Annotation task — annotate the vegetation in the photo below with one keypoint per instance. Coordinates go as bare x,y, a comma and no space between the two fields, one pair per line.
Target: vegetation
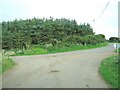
109,70
73,47
34,50
117,50
0,67
7,63
114,40
23,34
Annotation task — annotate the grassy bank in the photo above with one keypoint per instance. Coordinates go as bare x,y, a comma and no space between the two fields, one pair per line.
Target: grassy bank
109,71
74,47
36,50
7,63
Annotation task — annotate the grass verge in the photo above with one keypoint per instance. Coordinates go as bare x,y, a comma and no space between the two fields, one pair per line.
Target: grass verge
109,71
7,63
74,48
36,50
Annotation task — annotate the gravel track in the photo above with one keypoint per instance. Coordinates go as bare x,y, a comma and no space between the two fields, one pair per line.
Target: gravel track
76,69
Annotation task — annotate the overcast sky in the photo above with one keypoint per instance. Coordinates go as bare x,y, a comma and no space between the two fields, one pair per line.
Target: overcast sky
83,11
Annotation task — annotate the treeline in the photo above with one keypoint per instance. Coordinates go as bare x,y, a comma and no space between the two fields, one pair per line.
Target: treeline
24,33
114,39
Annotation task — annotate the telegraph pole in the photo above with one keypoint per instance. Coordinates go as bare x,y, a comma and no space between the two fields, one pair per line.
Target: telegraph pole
94,25
94,20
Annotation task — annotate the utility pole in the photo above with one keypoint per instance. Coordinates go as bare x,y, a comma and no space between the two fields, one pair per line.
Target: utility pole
94,25
94,20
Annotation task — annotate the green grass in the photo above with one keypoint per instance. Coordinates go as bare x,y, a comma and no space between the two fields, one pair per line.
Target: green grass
7,63
74,48
33,51
0,68
118,50
109,71
36,49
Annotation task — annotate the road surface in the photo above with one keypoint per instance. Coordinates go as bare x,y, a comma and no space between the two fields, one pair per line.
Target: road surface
76,69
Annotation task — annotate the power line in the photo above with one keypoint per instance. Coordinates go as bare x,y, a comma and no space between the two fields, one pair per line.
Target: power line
94,20
104,9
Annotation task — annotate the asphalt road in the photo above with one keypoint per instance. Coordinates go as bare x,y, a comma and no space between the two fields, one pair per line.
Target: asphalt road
76,69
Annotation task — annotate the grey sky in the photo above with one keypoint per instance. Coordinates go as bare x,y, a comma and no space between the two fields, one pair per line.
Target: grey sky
80,10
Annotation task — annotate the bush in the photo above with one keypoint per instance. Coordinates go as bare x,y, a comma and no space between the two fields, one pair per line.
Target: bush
24,33
93,39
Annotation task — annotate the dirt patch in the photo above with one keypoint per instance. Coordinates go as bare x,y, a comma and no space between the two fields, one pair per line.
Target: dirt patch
54,71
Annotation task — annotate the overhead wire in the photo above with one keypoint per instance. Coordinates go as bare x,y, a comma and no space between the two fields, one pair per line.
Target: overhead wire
103,10
94,20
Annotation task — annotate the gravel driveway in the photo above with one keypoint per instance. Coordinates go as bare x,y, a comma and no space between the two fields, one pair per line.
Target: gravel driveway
76,69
